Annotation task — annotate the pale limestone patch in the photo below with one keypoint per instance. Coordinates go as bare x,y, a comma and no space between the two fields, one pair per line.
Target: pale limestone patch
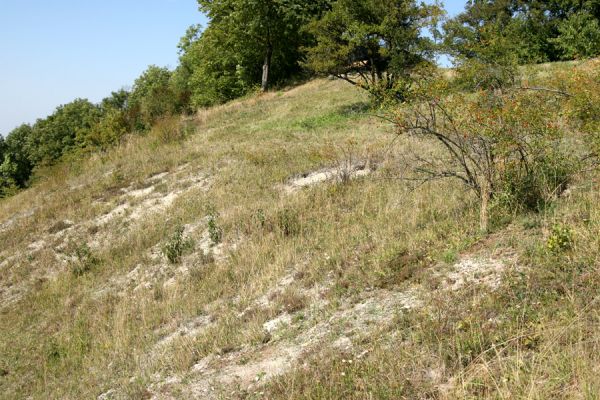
474,271
340,173
252,366
277,322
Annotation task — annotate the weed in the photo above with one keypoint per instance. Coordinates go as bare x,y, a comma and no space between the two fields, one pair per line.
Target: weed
531,222
288,222
83,260
215,232
174,249
450,256
158,292
260,218
561,239
402,265
291,300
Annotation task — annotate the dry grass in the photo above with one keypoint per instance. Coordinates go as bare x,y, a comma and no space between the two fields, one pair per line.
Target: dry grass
66,335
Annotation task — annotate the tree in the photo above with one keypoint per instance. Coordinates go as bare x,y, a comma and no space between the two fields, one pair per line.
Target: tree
247,43
16,165
374,44
152,97
531,27
62,132
214,70
118,100
2,148
579,36
267,29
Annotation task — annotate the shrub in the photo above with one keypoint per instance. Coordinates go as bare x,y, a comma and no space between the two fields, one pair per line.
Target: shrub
215,232
16,165
174,249
561,239
288,222
583,106
170,129
476,75
500,144
111,128
83,260
63,131
152,97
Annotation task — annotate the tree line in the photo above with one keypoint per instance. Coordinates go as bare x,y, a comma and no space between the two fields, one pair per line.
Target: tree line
254,45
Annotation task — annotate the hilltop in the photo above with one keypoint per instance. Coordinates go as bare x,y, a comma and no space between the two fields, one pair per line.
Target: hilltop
274,250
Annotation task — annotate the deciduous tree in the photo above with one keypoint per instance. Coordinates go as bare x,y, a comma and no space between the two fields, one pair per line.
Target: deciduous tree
374,44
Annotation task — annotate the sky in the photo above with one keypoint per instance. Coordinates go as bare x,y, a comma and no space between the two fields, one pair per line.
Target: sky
52,52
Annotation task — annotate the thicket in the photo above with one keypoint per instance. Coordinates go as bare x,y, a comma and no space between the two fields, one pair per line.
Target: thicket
516,147
533,31
379,45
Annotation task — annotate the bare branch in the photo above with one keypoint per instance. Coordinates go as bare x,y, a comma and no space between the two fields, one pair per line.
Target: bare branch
543,89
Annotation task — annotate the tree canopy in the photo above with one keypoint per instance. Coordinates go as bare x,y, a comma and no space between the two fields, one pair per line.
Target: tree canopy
247,44
534,31
374,44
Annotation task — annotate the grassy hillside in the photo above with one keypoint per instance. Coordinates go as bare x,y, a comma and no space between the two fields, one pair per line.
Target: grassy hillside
304,267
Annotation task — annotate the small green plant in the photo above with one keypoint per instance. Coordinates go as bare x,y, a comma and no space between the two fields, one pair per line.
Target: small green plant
561,239
176,246
83,260
288,222
450,256
215,232
260,217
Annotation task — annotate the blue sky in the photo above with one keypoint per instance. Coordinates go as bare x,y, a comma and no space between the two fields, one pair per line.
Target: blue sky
54,51
454,6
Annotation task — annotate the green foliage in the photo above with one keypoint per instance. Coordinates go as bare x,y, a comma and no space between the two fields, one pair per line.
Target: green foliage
174,249
62,132
116,101
152,97
560,239
579,36
288,222
83,260
490,62
244,37
215,232
533,32
16,165
107,132
215,72
373,44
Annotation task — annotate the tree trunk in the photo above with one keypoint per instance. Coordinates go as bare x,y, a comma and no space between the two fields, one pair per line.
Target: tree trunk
483,213
267,68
